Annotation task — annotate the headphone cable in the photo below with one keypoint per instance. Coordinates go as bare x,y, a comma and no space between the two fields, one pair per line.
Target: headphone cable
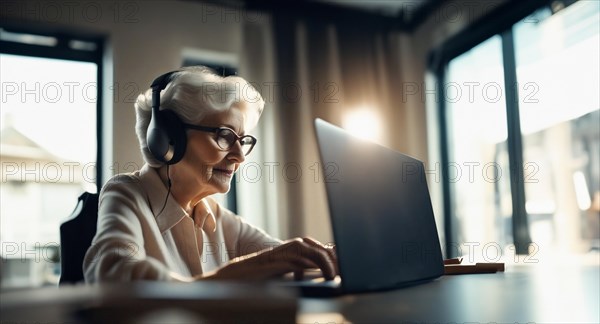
168,191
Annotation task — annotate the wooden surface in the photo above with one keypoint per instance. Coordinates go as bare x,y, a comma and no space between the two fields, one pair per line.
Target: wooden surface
521,294
550,293
157,302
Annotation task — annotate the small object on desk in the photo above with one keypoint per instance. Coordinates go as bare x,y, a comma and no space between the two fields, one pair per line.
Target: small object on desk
452,269
499,266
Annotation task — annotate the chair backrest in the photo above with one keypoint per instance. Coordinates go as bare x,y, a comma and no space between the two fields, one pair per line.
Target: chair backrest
76,236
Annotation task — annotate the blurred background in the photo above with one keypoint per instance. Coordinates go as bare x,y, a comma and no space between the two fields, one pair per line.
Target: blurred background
499,99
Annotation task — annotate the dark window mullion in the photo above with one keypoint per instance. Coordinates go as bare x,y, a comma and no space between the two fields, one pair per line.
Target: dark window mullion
99,119
53,52
520,225
232,195
449,236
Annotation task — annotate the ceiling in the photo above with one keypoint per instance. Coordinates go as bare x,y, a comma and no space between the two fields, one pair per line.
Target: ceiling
401,14
389,8
407,13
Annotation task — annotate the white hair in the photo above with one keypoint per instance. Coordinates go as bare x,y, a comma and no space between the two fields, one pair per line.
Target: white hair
194,93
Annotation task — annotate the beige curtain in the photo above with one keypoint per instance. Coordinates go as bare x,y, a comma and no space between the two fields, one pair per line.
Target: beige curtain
308,69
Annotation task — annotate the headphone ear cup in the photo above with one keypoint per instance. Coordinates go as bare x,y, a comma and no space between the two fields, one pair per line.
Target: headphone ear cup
158,140
175,131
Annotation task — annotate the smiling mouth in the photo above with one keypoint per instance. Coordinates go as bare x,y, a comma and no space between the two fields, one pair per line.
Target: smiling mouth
226,172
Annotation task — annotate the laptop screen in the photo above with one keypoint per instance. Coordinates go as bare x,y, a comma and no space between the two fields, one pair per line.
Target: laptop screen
381,214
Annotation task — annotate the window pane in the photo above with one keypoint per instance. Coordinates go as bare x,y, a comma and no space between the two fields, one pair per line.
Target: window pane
558,75
478,160
48,152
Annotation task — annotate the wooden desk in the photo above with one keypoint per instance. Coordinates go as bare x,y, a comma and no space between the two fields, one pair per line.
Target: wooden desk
522,294
157,302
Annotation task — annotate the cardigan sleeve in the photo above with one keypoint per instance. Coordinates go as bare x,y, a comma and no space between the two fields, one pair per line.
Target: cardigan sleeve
241,237
118,250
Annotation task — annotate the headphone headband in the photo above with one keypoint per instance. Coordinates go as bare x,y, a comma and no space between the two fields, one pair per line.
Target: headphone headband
158,85
161,82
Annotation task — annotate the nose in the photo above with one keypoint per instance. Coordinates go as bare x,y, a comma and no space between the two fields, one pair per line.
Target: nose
236,153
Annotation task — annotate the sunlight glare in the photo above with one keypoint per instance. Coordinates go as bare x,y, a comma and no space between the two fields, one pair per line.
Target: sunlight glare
363,123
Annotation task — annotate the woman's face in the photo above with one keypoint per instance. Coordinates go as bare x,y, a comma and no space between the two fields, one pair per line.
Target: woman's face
206,168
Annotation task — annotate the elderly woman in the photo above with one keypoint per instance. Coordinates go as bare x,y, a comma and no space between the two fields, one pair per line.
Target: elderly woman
160,223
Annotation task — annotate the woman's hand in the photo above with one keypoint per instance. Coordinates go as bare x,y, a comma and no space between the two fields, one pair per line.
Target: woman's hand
292,256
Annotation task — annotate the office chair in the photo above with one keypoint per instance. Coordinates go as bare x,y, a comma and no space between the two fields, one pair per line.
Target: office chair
76,236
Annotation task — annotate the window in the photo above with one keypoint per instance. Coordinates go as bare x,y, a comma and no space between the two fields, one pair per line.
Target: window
557,64
520,132
478,170
49,147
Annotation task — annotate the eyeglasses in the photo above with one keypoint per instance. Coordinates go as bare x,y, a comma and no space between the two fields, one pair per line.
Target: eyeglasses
226,137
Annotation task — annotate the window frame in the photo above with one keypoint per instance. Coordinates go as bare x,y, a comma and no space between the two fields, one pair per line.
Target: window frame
499,22
62,51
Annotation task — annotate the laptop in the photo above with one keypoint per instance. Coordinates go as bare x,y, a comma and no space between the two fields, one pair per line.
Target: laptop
381,217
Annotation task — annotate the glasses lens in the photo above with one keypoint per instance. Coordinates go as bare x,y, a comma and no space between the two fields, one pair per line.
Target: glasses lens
226,138
247,144
246,141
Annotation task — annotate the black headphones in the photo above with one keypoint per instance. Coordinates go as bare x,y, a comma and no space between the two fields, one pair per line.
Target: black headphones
166,135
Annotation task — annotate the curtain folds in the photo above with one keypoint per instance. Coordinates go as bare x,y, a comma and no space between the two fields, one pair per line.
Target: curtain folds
326,70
